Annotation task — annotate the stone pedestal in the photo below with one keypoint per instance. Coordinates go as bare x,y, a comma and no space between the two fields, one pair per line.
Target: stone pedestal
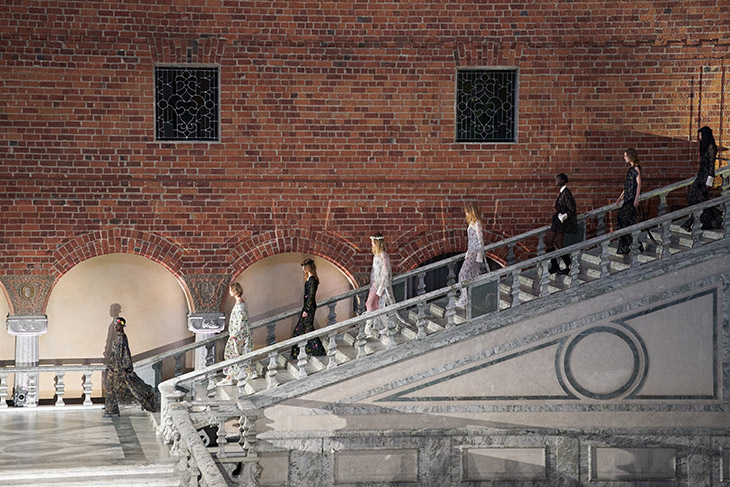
26,329
205,325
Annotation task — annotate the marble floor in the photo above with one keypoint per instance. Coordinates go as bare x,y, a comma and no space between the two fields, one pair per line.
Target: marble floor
51,438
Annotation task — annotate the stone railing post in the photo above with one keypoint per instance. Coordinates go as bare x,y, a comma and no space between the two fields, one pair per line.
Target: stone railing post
27,330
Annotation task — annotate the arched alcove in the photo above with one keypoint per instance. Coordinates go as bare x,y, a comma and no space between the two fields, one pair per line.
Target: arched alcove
85,300
276,284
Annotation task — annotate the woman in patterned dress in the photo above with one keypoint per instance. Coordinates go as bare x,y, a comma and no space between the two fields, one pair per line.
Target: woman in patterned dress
305,324
239,334
122,384
472,265
630,197
381,289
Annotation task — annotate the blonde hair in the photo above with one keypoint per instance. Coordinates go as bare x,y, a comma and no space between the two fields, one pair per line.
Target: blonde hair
472,212
378,241
236,288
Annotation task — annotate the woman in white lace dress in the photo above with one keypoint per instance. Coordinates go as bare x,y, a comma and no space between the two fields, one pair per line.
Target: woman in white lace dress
381,289
474,255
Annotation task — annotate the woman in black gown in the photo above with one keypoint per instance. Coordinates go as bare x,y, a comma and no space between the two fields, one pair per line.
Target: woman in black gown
305,324
699,190
630,197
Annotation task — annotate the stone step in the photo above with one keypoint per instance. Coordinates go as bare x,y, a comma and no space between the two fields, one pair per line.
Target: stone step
158,475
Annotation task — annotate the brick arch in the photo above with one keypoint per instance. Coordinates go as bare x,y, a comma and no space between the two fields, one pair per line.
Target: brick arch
122,241
326,245
432,244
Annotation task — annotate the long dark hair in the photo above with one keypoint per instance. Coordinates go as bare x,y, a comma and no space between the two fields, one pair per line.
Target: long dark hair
707,139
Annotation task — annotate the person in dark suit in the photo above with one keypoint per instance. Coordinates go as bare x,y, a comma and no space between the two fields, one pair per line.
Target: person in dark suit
565,220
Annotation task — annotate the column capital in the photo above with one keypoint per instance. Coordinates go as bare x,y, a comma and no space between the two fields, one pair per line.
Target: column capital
29,325
208,291
28,294
206,322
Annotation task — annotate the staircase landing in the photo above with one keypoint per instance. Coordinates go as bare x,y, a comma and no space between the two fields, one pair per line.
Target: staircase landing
67,448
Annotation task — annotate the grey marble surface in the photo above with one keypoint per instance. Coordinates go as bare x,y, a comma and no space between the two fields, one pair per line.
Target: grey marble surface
49,439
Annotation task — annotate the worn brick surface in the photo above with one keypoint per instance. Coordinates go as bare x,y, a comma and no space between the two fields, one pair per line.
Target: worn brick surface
337,121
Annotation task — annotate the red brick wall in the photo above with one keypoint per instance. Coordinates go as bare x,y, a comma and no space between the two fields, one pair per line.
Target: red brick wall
337,122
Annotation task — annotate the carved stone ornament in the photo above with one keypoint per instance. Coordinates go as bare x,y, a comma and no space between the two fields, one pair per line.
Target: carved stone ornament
27,293
206,322
27,325
208,291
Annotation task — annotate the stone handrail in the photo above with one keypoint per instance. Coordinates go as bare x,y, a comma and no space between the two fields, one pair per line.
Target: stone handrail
539,262
509,243
60,370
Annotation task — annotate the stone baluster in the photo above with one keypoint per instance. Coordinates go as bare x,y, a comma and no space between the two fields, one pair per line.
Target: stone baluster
271,372
332,315
210,387
635,247
421,320
543,277
209,354
600,223
451,309
32,391
666,239
332,350
361,298
662,210
178,363
605,261
243,378
3,391
726,220
421,289
302,359
88,388
696,228
574,268
157,370
221,437
361,340
510,253
251,469
60,388
271,333
451,277
541,243
515,288
391,330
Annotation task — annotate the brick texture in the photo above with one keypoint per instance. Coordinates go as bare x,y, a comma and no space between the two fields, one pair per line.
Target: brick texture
337,121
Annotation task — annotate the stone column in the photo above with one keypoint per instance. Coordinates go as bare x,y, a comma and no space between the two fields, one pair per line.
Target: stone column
26,329
205,325
208,292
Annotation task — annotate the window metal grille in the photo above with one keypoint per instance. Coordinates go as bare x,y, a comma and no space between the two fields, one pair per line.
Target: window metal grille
186,103
486,105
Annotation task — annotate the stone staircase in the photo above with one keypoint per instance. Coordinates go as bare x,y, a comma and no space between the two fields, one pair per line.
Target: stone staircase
433,316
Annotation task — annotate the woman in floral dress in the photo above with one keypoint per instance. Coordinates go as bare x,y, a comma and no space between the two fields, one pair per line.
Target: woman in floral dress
381,289
305,324
630,196
239,334
472,265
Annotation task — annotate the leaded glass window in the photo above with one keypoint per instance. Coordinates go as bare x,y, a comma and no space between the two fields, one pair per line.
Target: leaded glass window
186,103
486,105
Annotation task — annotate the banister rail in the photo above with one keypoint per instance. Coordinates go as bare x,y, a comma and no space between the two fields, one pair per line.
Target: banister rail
509,244
512,271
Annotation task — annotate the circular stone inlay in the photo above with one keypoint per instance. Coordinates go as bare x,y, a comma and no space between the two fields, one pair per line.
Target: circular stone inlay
601,364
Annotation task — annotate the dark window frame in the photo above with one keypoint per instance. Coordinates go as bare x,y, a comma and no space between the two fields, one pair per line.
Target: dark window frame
208,126
466,112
